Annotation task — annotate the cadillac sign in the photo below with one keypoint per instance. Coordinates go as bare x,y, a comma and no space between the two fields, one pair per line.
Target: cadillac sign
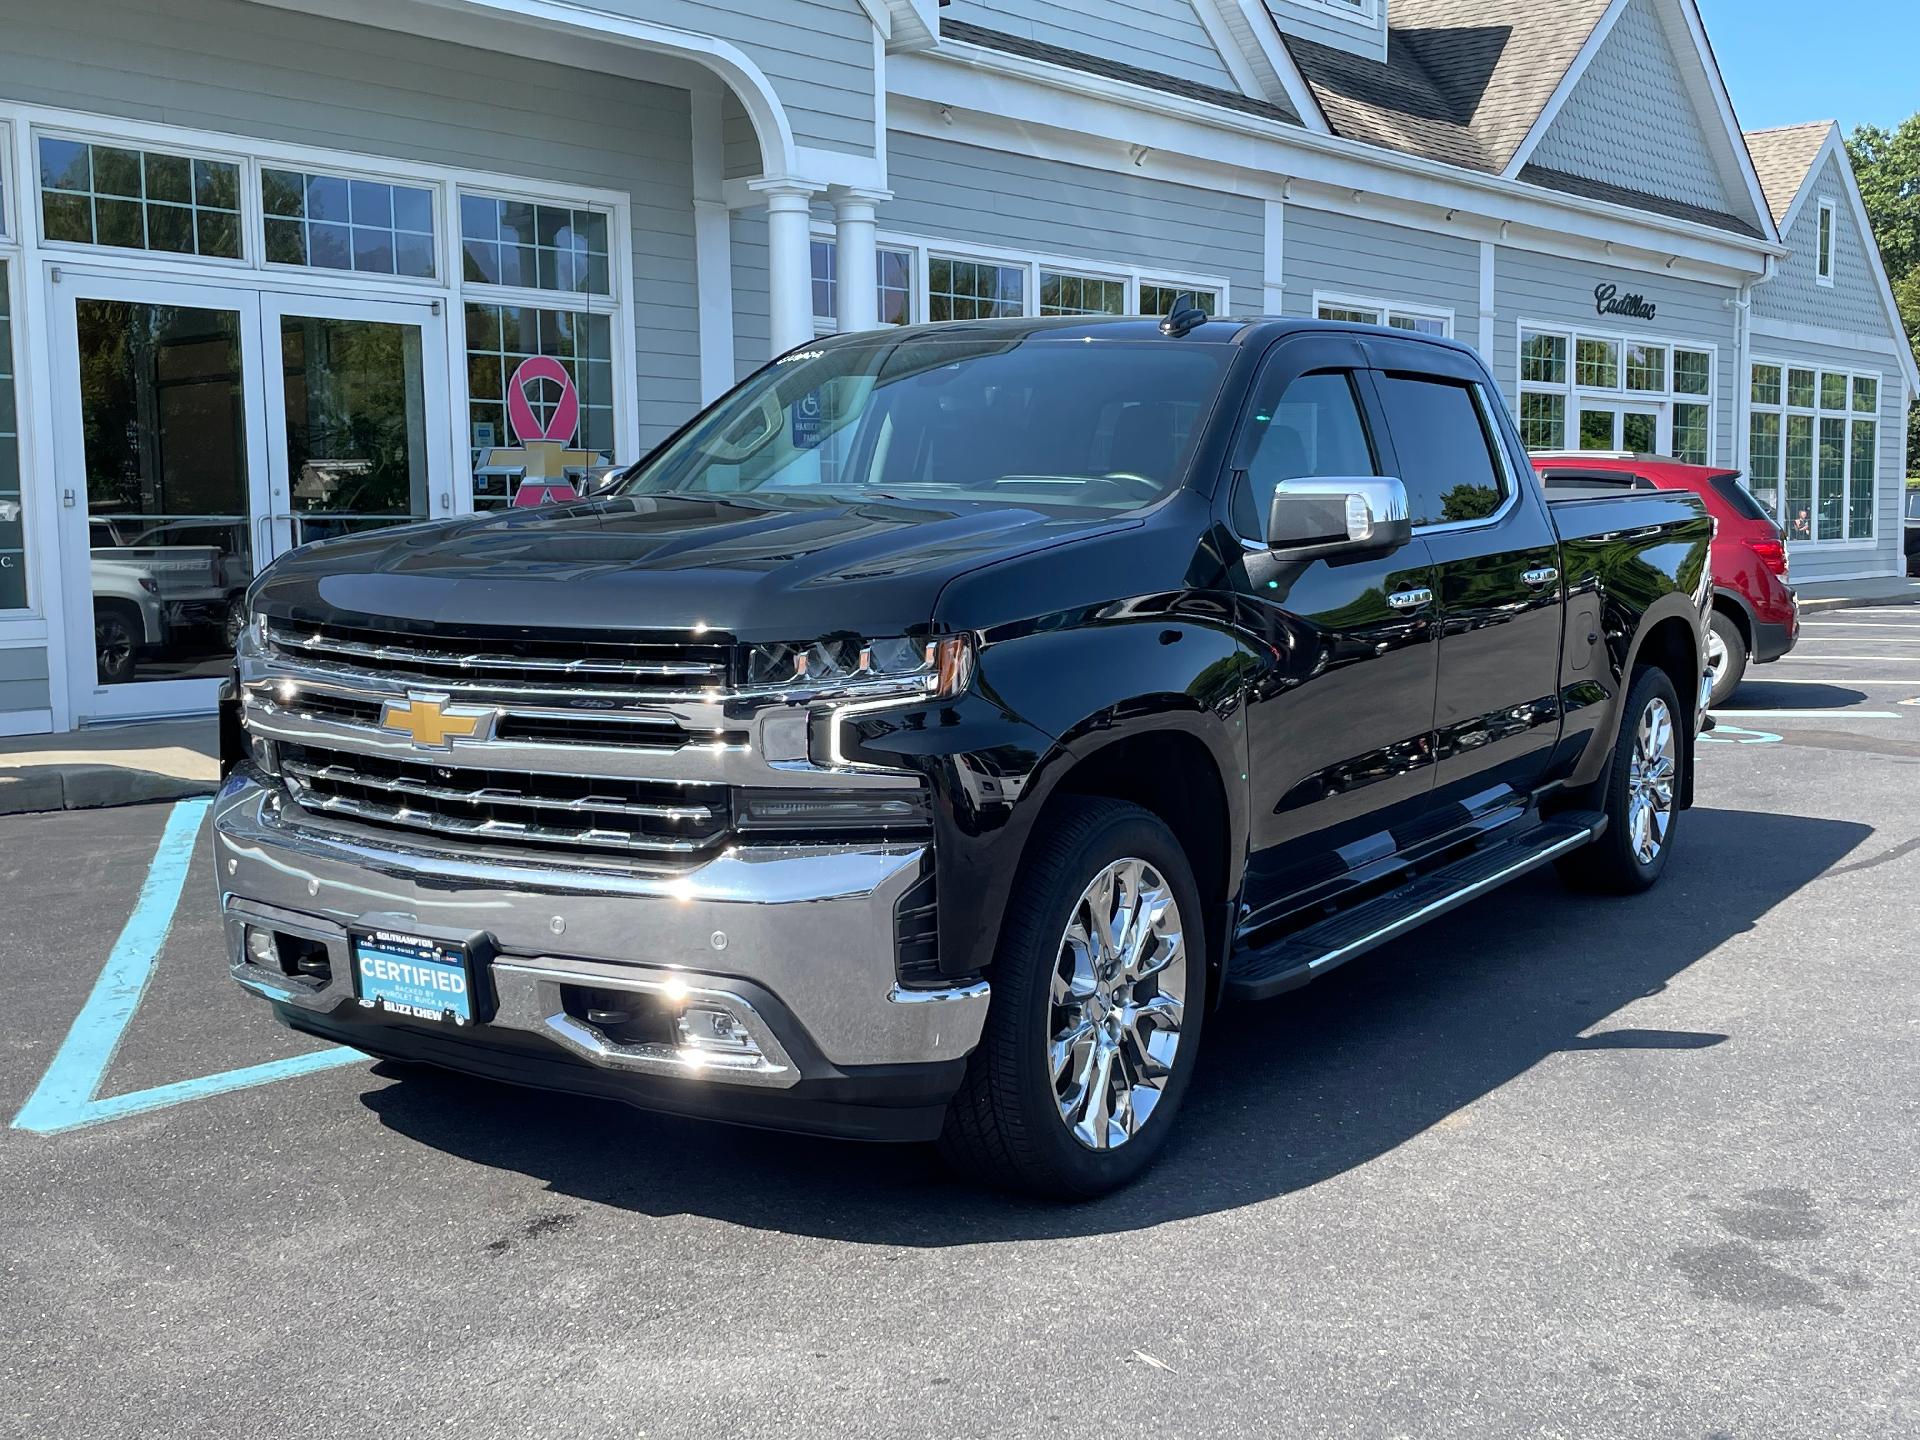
1607,300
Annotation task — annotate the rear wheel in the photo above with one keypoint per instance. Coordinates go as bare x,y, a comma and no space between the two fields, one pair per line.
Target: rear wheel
1641,796
1726,657
1099,988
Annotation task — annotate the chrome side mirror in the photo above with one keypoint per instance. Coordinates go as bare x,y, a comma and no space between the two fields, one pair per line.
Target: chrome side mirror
601,479
1324,517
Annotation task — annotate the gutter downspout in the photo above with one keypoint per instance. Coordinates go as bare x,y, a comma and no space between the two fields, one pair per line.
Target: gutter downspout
1743,377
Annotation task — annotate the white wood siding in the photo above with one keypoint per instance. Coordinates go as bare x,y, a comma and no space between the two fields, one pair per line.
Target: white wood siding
23,679
1629,121
818,54
1332,253
1853,301
1162,35
1330,25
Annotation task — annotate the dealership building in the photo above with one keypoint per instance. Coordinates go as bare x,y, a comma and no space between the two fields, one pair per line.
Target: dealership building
268,275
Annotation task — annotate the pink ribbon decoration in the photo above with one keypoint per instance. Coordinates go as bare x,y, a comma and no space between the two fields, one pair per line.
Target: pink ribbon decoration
566,415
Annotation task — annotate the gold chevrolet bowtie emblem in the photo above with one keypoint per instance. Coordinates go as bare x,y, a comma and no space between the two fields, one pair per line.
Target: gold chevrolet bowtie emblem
433,724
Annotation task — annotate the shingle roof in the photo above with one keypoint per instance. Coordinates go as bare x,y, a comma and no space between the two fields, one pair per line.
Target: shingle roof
1783,156
1463,81
1637,200
1114,70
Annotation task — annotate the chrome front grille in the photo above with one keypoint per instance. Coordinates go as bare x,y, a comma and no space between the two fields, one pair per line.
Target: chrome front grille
481,806
493,666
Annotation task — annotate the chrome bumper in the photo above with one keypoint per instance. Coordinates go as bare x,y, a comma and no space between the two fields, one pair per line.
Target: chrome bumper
804,935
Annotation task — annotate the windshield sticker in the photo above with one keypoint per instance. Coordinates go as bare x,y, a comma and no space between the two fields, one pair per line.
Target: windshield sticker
807,421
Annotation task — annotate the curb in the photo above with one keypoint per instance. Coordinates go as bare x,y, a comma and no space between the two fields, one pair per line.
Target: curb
30,789
1859,602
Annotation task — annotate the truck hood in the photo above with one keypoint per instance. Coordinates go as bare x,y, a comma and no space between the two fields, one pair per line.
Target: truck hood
759,569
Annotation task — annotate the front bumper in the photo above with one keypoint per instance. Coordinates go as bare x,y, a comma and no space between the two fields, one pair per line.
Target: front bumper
794,945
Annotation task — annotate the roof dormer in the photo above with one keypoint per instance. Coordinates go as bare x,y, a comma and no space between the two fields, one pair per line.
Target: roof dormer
1356,26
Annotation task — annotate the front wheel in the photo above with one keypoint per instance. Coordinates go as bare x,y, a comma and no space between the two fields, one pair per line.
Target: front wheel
116,641
1642,794
1099,989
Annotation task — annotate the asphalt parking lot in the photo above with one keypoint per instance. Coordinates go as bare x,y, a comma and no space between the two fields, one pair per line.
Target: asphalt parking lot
1558,1166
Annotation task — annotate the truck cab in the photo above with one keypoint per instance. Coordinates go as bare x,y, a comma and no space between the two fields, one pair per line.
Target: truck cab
929,735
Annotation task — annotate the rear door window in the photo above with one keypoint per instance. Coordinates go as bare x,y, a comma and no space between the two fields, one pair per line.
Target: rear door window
1729,488
1448,453
1314,429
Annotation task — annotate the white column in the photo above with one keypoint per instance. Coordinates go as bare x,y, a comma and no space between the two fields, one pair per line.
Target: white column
856,271
789,261
712,248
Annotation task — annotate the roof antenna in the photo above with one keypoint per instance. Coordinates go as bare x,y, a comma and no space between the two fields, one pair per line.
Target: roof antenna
1183,315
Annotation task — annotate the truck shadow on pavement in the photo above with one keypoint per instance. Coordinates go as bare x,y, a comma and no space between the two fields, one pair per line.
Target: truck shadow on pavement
1289,1093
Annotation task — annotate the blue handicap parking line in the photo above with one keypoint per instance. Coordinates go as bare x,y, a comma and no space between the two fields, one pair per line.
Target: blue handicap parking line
65,1098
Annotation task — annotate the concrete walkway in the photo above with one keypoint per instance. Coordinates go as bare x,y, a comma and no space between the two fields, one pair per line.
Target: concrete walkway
109,765
1854,594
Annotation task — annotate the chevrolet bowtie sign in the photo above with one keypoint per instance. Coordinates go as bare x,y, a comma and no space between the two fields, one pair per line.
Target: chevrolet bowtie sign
432,724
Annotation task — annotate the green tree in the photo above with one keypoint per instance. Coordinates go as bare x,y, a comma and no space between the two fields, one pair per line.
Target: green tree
1887,165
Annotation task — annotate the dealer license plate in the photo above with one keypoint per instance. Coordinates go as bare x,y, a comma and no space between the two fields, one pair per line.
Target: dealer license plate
413,976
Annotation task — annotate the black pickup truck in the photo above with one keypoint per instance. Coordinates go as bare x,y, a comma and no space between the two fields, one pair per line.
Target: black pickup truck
927,737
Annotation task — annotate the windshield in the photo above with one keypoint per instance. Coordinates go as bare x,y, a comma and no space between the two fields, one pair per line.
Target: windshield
1033,420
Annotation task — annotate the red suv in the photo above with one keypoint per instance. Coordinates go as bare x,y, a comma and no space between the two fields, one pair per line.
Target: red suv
1755,615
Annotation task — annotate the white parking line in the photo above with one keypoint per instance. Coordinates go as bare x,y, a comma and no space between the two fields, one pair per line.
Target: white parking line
1800,659
1807,715
1913,685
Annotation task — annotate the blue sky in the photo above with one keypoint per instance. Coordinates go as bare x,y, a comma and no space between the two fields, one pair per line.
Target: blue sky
1858,62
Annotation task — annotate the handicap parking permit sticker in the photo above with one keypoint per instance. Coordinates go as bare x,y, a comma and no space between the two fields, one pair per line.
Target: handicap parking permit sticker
807,421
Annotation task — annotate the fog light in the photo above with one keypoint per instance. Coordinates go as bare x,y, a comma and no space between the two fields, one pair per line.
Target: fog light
261,949
707,1027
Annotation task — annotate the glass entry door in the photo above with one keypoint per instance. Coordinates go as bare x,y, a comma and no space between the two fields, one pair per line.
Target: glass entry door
356,417
1609,425
204,431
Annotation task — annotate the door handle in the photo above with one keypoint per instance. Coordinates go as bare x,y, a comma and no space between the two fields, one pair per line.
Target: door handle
1410,599
1545,575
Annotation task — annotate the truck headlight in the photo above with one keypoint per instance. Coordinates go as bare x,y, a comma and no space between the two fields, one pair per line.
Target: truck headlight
856,668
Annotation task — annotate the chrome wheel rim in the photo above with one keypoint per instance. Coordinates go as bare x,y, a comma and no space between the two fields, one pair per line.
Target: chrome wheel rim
112,644
1716,655
1118,999
1650,782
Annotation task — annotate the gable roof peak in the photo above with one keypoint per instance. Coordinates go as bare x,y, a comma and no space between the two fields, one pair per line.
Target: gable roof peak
1784,157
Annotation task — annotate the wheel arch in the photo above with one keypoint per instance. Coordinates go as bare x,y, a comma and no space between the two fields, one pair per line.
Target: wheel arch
1174,775
1732,602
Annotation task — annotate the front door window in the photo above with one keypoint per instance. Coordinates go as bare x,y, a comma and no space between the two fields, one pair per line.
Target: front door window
169,523
356,427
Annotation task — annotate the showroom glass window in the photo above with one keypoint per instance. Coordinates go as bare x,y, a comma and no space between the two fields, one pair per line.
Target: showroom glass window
13,528
336,222
1813,447
13,520
128,199
537,286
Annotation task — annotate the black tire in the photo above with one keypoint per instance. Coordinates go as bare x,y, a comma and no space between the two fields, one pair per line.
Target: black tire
1613,864
1005,1124
1726,630
116,640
